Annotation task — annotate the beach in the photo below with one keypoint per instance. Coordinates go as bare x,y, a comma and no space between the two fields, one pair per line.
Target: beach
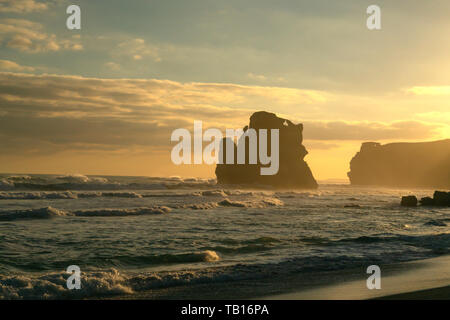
423,279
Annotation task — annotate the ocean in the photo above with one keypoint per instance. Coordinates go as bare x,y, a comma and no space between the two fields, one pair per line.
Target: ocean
130,235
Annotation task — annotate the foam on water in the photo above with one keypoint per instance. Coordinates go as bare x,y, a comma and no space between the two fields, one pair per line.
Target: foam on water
131,234
121,212
49,212
41,213
113,282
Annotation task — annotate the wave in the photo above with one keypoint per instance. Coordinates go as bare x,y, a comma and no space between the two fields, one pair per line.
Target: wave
82,182
250,248
191,257
64,195
226,193
6,185
111,282
54,286
122,212
257,203
212,193
436,223
101,283
42,213
199,206
37,195
436,243
121,194
79,178
297,194
49,212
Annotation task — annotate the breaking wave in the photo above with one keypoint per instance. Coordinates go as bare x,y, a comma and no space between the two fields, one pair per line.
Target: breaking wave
82,182
64,195
103,283
121,212
257,203
42,213
79,178
49,212
115,283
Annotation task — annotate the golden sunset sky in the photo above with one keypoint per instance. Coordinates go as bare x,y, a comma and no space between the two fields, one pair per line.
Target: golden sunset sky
105,99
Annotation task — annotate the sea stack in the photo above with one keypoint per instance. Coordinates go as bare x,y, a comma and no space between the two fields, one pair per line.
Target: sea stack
293,171
423,164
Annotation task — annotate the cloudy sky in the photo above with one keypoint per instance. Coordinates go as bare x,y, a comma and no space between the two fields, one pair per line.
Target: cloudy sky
105,99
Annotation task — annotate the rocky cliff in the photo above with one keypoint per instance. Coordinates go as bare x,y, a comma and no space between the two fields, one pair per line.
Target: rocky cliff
293,171
423,164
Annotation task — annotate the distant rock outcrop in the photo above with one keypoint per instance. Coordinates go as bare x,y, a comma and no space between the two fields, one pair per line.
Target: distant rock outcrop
293,170
423,164
409,201
440,199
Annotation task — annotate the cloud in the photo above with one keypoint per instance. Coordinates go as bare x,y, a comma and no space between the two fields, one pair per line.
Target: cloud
7,65
21,6
28,36
112,66
50,113
365,130
136,49
263,78
258,77
430,90
435,116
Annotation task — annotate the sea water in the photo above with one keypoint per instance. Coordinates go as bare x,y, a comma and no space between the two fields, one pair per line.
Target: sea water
135,234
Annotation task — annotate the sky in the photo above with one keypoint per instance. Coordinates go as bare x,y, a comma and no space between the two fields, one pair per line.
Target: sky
105,99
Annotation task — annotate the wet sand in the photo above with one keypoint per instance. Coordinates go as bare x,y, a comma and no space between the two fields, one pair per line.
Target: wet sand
423,279
430,294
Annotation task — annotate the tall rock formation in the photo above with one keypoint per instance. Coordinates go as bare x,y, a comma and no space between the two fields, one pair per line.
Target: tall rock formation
293,170
423,164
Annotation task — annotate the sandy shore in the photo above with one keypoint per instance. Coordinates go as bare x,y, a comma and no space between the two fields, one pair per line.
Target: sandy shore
430,294
422,279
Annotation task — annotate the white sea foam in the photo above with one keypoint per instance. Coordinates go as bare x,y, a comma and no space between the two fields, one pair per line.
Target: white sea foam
122,212
261,202
79,178
211,193
42,213
6,185
38,195
200,206
49,212
257,203
53,286
101,283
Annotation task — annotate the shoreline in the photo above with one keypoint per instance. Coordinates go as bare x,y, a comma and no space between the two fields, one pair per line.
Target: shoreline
441,293
418,279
